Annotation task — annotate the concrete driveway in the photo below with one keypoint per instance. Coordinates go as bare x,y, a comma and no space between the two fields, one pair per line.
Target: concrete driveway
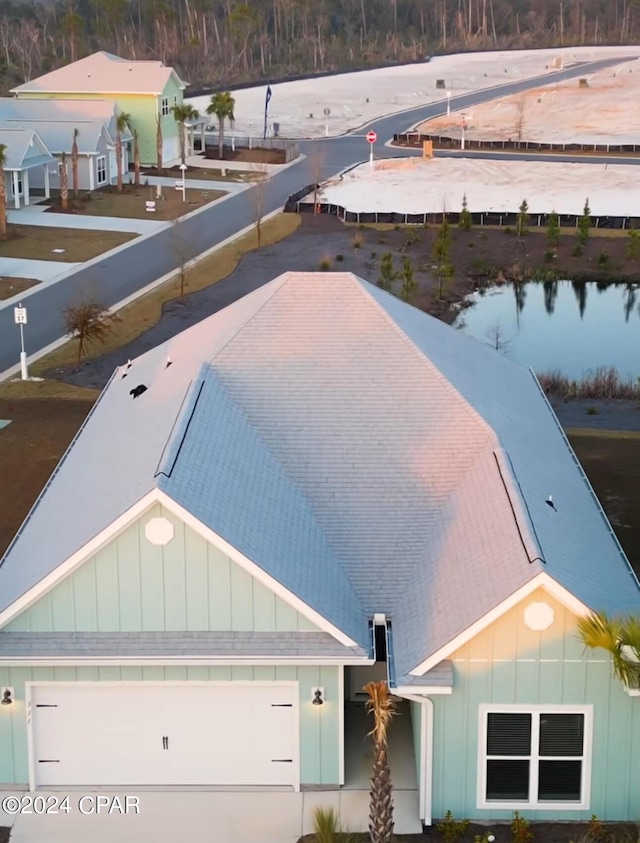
224,817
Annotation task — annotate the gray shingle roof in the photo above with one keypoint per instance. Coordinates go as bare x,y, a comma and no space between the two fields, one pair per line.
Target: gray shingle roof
366,455
15,645
57,119
19,144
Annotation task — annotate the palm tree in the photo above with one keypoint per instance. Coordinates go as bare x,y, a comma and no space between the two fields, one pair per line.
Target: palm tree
618,636
64,182
181,114
3,193
74,163
222,106
159,144
136,158
121,125
383,708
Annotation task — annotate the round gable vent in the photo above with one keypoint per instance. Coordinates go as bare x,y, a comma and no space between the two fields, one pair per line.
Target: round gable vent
538,616
159,531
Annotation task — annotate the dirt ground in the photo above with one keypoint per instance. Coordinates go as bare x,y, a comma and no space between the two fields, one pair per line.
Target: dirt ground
30,448
12,286
257,155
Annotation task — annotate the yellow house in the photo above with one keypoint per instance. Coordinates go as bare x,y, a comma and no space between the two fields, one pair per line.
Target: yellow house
146,90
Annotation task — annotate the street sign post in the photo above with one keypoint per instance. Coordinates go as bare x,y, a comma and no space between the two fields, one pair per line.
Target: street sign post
20,318
326,112
372,138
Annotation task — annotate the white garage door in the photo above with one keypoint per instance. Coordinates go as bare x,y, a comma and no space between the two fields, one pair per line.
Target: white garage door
170,150
150,734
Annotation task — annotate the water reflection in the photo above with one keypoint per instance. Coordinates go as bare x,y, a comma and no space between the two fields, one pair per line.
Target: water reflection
569,325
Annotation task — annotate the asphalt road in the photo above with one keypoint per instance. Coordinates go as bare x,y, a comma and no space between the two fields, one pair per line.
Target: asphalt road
122,274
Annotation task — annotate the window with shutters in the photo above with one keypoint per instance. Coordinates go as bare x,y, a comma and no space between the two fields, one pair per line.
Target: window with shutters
534,756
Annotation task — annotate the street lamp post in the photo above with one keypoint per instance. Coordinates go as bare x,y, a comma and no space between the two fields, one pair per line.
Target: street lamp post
327,112
20,318
463,127
183,186
448,103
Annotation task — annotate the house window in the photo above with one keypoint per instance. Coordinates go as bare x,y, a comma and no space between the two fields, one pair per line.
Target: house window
164,106
175,99
101,169
20,186
534,756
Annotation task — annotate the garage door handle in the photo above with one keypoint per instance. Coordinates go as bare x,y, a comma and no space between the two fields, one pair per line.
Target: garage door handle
48,760
282,760
281,705
165,742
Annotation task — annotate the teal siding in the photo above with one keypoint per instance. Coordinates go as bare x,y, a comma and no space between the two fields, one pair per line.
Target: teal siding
132,585
319,725
510,664
416,729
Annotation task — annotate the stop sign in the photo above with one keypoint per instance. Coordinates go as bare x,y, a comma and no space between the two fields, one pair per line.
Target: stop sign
372,137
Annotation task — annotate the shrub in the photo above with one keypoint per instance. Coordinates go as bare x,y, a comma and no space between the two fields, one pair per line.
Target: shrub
339,258
597,832
358,240
326,828
633,248
373,255
325,264
592,411
603,259
387,272
578,249
584,224
549,255
508,229
520,829
412,237
599,383
452,829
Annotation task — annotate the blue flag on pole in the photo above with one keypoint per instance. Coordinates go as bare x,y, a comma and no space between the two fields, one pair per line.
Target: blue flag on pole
266,108
268,95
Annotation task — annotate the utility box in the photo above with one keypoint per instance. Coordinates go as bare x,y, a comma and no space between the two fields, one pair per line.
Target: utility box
583,83
440,84
557,63
427,149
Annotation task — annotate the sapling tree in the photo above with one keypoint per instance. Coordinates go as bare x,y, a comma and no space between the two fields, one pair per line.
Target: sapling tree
553,229
465,222
441,252
523,219
633,246
387,274
89,321
584,224
409,287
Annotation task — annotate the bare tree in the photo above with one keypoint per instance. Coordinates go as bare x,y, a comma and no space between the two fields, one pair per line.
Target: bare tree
497,338
89,321
521,108
181,250
258,206
317,160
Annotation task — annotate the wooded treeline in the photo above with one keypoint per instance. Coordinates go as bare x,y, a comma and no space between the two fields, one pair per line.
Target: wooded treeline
221,42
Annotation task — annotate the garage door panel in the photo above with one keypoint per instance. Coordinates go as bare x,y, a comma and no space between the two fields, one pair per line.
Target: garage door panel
162,735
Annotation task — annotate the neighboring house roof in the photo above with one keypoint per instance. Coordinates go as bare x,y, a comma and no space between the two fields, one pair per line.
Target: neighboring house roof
24,148
104,73
61,117
58,136
367,456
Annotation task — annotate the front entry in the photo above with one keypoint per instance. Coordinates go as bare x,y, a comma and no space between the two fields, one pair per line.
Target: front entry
153,734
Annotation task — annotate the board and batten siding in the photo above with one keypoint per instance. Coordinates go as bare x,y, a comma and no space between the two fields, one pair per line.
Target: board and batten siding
132,585
508,663
319,725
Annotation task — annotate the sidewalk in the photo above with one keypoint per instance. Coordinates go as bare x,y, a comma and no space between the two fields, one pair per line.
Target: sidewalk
198,184
33,215
38,270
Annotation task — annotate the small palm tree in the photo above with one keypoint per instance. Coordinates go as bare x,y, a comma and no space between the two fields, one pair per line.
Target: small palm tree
121,126
181,114
64,182
618,636
383,708
74,163
159,143
222,106
3,192
136,158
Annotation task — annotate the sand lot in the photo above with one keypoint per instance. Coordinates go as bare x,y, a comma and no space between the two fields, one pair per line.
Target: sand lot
357,98
418,186
600,113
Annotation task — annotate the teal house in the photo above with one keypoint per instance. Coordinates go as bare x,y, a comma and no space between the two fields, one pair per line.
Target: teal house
314,488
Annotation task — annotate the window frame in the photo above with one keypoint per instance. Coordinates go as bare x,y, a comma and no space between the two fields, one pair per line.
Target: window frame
164,106
534,803
100,158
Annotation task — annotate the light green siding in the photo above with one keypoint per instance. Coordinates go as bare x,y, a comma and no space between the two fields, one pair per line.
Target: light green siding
319,725
132,585
416,730
509,664
142,109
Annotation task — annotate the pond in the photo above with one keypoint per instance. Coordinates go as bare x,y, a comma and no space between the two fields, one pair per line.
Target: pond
561,326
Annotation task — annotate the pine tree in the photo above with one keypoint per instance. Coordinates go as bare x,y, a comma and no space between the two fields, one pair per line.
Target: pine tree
387,273
523,219
553,229
409,284
442,255
584,224
633,247
465,222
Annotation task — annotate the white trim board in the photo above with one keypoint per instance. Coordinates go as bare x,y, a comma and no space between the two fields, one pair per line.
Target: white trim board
541,581
586,758
181,661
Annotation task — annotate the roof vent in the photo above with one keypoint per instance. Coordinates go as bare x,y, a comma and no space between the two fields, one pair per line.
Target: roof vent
137,390
126,371
550,503
168,363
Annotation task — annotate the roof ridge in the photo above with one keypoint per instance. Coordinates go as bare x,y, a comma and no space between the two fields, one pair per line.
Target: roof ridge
521,515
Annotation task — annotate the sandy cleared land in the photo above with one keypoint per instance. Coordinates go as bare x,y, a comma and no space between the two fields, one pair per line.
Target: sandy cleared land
601,113
418,186
357,98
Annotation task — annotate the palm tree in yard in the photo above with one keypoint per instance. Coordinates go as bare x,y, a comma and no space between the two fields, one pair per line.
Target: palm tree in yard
383,708
121,126
64,182
3,193
181,114
159,143
74,163
620,637
222,106
136,158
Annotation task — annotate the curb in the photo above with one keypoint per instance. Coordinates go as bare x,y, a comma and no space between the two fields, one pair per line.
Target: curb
37,355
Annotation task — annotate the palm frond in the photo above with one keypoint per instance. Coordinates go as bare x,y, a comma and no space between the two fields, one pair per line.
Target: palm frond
382,705
598,630
620,638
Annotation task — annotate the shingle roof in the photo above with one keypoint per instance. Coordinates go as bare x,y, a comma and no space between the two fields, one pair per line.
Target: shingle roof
18,143
103,73
366,455
63,114
51,645
58,137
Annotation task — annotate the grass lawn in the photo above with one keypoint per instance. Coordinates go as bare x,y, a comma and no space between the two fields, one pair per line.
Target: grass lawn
131,203
13,286
37,242
204,174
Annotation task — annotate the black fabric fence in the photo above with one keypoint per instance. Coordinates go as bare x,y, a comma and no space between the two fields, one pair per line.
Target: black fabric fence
416,139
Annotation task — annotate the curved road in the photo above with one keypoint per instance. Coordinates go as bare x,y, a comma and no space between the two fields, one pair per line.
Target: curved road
122,274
